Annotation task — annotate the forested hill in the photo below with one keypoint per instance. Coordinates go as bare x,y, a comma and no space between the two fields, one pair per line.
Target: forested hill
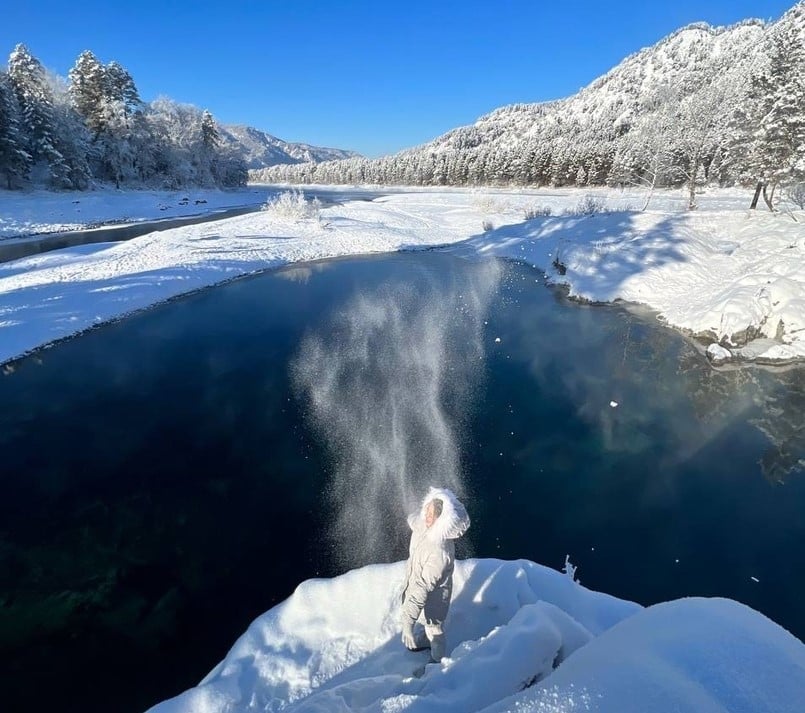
93,127
705,104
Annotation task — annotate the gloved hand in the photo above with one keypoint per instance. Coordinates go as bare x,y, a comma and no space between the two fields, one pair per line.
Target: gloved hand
408,635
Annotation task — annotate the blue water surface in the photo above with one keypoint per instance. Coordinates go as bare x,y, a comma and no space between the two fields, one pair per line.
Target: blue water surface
162,484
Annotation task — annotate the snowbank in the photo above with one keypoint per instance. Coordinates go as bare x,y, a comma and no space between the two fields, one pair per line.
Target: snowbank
703,655
50,296
521,637
723,276
716,273
37,212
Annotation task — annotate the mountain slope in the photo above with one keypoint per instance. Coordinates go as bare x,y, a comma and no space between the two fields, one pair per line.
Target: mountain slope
685,60
260,149
684,111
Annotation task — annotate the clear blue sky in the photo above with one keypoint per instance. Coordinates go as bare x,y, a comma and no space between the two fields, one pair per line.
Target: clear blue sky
374,77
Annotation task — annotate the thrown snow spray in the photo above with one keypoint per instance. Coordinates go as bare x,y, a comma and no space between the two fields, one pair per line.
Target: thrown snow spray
387,388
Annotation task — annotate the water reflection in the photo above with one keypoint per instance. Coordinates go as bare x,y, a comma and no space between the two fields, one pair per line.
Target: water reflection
637,381
772,400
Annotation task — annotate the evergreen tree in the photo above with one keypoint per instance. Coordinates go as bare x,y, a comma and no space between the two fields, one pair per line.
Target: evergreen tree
209,132
782,126
71,135
767,133
120,87
14,160
210,141
107,98
35,100
88,89
113,143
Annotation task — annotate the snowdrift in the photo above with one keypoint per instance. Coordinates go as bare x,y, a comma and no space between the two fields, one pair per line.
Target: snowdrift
521,637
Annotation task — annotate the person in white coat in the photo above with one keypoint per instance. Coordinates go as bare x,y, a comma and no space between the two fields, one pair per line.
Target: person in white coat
440,521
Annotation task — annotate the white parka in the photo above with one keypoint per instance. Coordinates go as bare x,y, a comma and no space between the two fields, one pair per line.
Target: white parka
431,559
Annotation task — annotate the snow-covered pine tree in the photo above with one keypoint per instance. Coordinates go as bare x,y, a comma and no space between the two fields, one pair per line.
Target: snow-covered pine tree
120,87
782,126
766,143
88,89
113,142
35,100
209,131
108,100
71,134
208,153
744,156
14,160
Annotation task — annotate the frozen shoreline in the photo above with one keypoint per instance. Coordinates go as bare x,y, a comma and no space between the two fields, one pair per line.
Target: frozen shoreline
715,273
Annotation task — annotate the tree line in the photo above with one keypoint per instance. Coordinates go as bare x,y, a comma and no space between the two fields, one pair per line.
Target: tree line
94,127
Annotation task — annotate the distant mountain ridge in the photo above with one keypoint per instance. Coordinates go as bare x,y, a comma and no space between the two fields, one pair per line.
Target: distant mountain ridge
705,104
260,149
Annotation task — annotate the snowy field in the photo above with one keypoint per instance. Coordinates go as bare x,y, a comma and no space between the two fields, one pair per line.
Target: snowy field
521,637
38,212
719,273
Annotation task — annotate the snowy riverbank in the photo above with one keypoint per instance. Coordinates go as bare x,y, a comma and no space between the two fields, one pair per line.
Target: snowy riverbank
718,272
42,212
521,637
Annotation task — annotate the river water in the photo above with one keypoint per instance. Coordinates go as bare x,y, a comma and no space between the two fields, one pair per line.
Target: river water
24,246
169,477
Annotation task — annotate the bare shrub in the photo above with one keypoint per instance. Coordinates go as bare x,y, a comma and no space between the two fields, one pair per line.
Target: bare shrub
486,203
589,205
534,211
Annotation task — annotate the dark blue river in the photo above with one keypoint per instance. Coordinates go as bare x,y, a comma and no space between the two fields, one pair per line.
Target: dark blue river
163,482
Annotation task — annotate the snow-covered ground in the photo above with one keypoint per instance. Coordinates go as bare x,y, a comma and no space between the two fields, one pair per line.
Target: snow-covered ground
42,211
716,272
521,637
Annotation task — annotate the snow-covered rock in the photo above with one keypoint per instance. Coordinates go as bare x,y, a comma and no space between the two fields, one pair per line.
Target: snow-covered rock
718,355
521,637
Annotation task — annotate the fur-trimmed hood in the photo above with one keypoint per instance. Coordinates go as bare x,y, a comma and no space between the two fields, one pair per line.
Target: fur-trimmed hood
451,524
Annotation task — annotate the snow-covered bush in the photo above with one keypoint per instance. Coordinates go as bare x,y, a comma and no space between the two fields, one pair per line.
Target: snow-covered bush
570,570
534,211
589,205
486,203
487,225
293,205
